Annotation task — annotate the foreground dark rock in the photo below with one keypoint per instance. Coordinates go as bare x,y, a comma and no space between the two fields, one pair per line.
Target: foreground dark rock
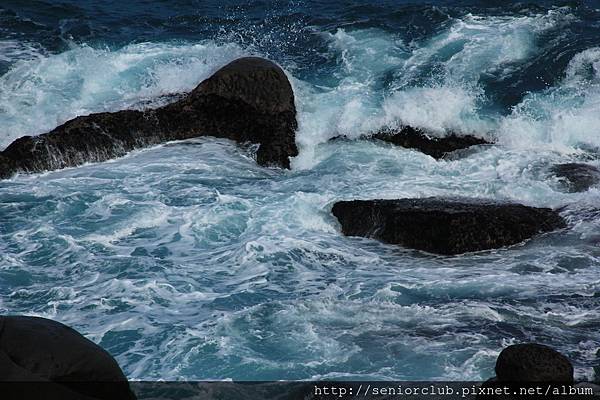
533,363
523,369
436,147
444,226
249,100
40,350
577,177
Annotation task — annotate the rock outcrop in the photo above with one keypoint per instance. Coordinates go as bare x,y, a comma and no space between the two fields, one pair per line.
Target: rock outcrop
418,139
64,363
577,177
249,100
444,226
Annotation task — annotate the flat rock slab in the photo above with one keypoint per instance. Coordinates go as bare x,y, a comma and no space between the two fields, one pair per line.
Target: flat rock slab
577,177
436,147
444,226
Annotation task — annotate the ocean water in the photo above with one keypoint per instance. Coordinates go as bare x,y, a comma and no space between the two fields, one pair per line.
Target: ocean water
189,261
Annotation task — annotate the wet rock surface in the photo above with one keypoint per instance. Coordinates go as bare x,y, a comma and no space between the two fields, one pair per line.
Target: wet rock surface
249,100
436,147
444,226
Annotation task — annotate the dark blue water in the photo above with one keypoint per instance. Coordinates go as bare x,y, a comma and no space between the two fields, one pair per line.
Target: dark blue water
188,261
287,31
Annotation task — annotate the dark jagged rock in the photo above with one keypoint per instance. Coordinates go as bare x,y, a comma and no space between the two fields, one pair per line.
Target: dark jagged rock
418,139
444,226
577,177
40,350
249,100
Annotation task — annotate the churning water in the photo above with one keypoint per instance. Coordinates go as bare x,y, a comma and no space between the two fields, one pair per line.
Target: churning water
189,261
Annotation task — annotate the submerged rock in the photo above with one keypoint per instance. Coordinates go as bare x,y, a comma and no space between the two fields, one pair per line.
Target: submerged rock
436,147
444,226
40,350
577,177
249,100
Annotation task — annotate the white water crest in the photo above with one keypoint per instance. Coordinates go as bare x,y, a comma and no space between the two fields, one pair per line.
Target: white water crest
37,95
432,85
562,118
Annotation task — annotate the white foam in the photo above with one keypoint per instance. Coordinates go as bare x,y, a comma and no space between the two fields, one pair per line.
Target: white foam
435,84
437,109
564,117
38,94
